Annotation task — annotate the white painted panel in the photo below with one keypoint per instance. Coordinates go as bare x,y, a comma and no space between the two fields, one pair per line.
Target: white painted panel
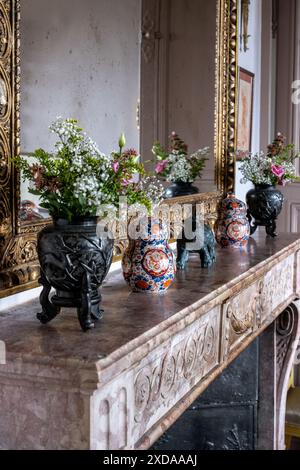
251,60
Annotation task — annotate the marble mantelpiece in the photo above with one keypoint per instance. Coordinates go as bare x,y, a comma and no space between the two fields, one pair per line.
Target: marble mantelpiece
123,384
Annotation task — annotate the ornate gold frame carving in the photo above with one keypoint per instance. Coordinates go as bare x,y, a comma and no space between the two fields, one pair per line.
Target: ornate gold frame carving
226,94
19,268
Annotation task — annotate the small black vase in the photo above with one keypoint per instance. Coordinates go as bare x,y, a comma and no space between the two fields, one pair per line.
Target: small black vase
264,206
74,261
179,188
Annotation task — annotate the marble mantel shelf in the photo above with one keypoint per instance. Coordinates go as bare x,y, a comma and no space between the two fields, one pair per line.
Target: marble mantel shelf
123,384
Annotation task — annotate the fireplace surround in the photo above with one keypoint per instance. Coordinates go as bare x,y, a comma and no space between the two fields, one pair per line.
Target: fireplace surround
123,385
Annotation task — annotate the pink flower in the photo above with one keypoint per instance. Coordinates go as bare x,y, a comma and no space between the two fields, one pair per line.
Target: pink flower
161,166
278,171
125,182
115,166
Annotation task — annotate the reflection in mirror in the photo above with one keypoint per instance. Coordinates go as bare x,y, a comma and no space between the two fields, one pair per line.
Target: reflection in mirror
88,60
79,59
178,68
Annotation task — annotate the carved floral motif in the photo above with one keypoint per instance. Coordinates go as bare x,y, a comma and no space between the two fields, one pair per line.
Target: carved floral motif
279,279
168,376
240,321
251,308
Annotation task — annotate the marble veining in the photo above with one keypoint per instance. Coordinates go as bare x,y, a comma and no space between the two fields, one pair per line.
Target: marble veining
116,385
130,315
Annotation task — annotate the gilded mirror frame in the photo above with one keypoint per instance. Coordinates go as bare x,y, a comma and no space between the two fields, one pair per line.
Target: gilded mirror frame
19,267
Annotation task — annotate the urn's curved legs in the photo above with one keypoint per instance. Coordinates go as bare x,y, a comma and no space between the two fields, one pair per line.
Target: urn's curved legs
271,229
84,312
96,310
253,225
49,310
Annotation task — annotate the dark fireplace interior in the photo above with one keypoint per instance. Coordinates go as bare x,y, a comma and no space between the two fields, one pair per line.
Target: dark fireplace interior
225,416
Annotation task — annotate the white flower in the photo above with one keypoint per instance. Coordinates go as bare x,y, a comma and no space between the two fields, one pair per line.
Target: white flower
257,168
201,153
153,188
181,169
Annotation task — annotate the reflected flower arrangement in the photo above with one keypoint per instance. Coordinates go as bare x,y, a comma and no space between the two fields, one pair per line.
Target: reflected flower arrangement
175,164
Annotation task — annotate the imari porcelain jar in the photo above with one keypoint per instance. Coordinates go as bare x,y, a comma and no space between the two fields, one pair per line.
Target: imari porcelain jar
233,228
149,263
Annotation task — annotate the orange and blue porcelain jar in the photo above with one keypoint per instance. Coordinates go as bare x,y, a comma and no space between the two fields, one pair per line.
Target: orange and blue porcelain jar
233,227
149,263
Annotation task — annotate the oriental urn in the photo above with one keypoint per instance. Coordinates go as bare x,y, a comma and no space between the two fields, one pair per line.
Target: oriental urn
179,188
233,228
75,260
149,263
264,206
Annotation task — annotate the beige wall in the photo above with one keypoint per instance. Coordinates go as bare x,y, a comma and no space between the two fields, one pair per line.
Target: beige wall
80,58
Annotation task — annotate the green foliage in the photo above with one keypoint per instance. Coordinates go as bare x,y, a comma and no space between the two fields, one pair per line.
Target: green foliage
77,178
159,152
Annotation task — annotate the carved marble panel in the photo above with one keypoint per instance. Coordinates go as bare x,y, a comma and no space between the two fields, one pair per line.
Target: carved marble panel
280,279
155,385
297,273
239,318
249,310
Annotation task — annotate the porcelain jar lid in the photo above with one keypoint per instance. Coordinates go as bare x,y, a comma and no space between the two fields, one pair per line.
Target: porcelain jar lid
231,204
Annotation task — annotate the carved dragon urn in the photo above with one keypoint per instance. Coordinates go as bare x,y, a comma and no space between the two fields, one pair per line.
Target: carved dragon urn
74,261
264,206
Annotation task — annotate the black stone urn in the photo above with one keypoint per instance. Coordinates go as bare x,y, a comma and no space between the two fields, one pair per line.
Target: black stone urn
264,206
74,261
179,188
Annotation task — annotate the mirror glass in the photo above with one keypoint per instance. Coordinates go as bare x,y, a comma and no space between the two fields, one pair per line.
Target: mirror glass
143,67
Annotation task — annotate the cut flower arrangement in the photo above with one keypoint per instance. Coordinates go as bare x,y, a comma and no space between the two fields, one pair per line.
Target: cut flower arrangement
175,164
77,178
276,166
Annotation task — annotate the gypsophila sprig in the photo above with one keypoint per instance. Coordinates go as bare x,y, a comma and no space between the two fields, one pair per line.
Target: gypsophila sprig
276,166
175,165
77,178
153,189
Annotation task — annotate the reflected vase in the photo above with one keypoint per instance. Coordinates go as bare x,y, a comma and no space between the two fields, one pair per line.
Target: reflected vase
74,261
179,189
